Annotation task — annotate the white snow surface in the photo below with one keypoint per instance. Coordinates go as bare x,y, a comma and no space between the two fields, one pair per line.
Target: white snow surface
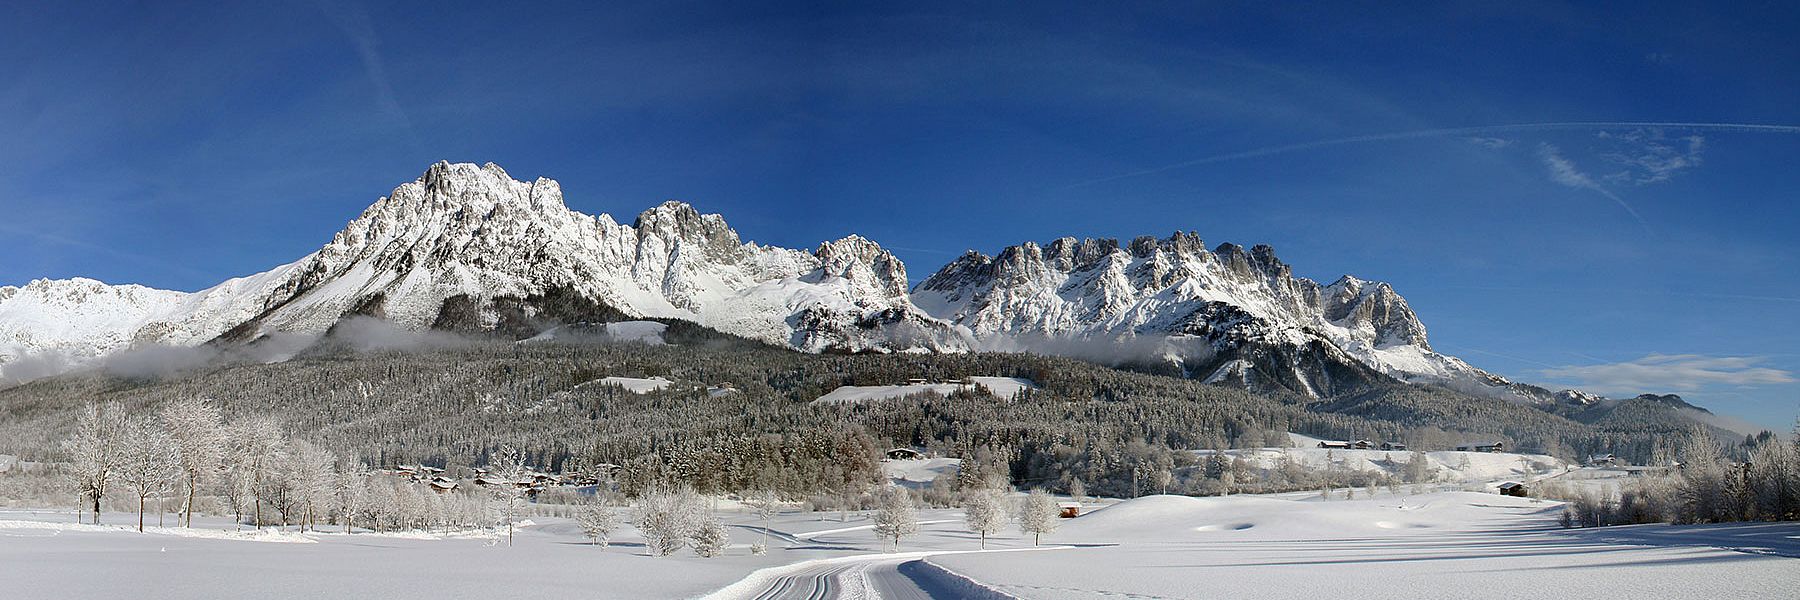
919,473
635,385
1002,387
1431,545
1439,545
1448,466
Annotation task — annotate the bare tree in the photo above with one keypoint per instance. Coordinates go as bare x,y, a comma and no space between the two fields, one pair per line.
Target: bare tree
509,496
1037,515
258,447
896,518
598,520
765,504
984,511
147,461
667,518
310,479
199,435
93,453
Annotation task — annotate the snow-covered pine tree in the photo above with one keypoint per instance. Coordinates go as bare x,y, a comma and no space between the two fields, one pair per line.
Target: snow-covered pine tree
710,537
1037,515
199,435
896,518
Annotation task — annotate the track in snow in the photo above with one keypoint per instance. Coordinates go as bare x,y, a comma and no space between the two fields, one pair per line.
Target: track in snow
889,579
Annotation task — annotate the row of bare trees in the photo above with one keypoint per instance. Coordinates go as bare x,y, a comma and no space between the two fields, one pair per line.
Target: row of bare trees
187,449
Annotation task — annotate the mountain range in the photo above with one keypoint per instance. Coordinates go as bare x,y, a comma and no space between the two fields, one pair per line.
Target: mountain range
468,248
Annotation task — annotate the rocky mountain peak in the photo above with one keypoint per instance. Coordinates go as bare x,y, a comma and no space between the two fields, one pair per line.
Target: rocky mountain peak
675,221
863,262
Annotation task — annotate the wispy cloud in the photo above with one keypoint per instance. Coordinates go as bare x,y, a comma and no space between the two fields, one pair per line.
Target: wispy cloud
1671,372
1564,171
354,22
1650,156
1481,130
1491,143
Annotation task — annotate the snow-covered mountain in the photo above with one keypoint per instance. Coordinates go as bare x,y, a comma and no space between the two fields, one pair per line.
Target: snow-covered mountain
469,241
1228,315
467,247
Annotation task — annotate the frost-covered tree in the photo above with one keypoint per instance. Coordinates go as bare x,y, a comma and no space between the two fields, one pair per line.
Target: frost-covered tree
199,435
147,461
984,511
93,452
310,480
1037,515
598,520
667,518
896,517
509,497
1706,482
1775,481
765,504
1418,468
710,537
257,448
352,492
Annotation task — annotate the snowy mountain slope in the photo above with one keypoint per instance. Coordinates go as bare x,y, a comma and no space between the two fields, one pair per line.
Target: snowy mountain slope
473,234
78,318
1226,315
467,247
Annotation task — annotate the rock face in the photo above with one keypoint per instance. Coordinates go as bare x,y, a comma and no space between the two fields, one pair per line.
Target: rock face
1228,315
467,247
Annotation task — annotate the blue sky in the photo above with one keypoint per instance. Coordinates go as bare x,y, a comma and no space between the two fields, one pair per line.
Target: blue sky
175,148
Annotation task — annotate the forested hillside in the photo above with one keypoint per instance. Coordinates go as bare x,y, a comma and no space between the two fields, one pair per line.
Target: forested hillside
740,412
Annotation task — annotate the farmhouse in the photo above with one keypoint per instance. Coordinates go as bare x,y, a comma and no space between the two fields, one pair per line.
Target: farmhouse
904,454
1340,445
1513,488
1494,447
1393,446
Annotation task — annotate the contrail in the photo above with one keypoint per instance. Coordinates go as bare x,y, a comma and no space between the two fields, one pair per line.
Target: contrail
1450,131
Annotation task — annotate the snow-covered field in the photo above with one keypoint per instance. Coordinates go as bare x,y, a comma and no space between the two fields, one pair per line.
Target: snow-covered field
1434,545
1442,545
1003,387
1445,466
635,385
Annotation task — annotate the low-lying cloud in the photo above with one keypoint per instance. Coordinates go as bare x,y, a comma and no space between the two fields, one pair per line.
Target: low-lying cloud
1671,372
